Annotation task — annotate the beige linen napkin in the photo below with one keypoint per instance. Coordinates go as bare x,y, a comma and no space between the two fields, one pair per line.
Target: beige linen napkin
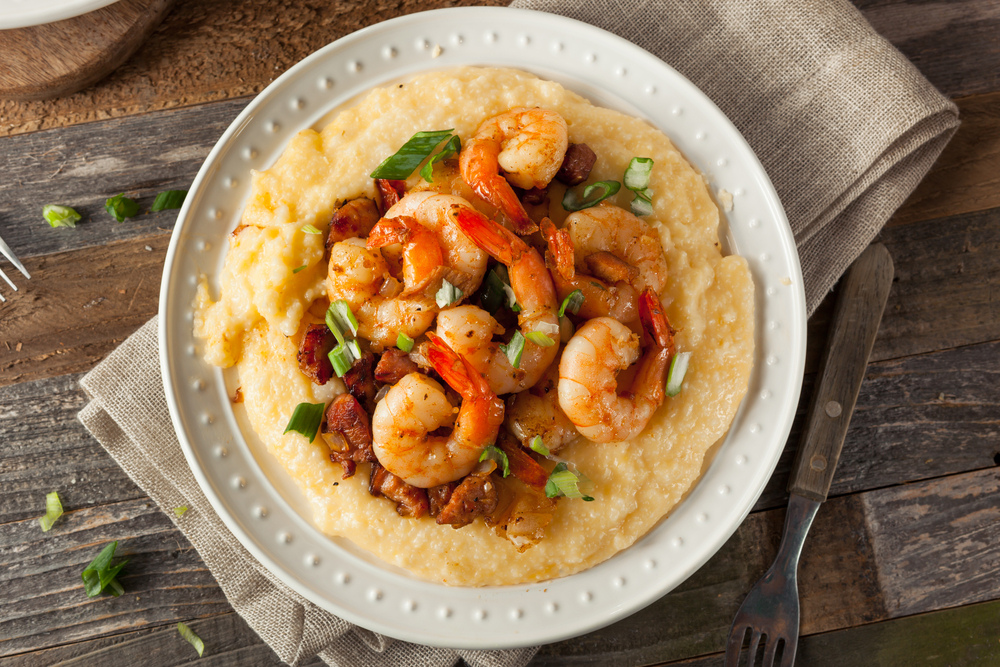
843,123
845,126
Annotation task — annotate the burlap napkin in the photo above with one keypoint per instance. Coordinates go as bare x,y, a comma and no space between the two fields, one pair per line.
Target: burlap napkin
845,126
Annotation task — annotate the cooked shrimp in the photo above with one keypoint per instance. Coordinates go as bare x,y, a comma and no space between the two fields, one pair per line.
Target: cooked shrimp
361,277
528,145
422,256
436,212
536,412
608,254
588,385
533,290
416,406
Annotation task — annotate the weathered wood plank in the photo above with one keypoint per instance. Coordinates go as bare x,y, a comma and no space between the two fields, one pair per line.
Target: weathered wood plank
44,448
953,44
78,306
82,166
44,602
229,642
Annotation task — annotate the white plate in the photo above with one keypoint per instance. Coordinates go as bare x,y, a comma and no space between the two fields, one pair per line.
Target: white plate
259,502
24,13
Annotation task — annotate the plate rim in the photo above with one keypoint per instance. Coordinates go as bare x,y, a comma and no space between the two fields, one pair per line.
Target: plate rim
248,542
34,16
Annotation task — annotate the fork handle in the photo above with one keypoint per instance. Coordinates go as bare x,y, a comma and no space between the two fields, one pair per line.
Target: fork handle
863,294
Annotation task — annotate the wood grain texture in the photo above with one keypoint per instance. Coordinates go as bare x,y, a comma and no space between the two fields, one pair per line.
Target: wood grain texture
207,50
84,165
44,602
43,448
78,306
56,59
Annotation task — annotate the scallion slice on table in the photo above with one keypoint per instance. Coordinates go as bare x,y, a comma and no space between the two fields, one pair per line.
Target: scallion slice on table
60,216
404,342
675,376
169,199
572,303
564,482
538,445
179,511
399,165
593,195
306,419
495,453
121,207
514,349
53,510
193,639
637,180
447,295
310,229
100,575
340,318
453,146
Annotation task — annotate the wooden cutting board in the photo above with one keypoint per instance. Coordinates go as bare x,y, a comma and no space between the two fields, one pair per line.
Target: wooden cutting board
56,59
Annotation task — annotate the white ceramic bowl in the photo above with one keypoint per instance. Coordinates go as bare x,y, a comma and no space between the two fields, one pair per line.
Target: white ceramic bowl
25,13
261,504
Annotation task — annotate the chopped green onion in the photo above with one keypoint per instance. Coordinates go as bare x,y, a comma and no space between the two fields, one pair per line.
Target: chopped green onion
299,268
306,419
637,173
540,339
513,349
53,510
453,146
400,165
121,207
572,201
498,455
309,229
598,286
344,355
572,302
491,296
179,511
447,295
504,278
404,342
169,200
191,638
98,575
675,376
340,318
637,180
564,482
60,216
538,445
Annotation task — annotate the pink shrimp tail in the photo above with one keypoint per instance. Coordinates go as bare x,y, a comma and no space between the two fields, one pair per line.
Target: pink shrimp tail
456,370
505,246
655,326
560,250
475,162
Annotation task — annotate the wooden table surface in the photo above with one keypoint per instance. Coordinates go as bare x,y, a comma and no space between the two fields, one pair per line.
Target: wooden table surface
902,566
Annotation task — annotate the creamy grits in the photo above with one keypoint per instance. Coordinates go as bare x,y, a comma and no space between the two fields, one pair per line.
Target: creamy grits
263,299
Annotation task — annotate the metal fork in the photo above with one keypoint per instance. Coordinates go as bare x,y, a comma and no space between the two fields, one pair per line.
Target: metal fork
9,254
771,609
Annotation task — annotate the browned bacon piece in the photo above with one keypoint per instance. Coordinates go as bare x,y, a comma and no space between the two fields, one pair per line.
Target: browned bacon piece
360,381
346,417
355,218
314,363
576,165
476,496
411,501
439,496
610,268
390,192
394,366
522,465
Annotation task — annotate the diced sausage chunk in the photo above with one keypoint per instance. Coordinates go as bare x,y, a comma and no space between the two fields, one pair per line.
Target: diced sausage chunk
411,501
390,192
353,219
476,496
535,196
346,417
314,363
439,496
360,381
576,165
394,365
